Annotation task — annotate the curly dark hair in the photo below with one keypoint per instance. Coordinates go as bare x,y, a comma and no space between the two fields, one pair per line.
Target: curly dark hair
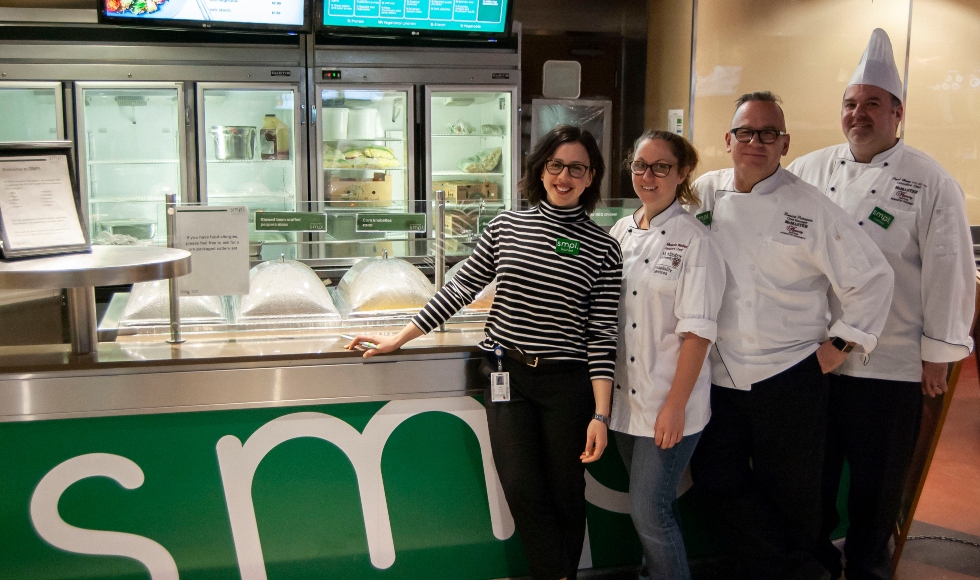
531,185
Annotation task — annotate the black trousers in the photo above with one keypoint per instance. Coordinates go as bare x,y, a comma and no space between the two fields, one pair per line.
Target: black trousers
873,424
758,467
537,438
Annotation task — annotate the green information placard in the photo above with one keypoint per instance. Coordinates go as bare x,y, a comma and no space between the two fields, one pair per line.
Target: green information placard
608,216
390,222
290,221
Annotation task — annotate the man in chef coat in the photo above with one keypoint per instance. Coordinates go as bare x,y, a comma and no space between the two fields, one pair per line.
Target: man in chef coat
914,212
786,248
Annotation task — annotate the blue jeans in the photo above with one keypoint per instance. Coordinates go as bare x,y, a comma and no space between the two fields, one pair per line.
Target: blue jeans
654,474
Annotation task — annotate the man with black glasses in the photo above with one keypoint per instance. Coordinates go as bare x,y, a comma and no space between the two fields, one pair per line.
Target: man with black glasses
914,211
786,247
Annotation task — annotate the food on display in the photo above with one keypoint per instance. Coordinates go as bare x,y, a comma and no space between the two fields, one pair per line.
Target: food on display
370,157
285,288
493,129
484,161
384,284
134,6
149,304
461,127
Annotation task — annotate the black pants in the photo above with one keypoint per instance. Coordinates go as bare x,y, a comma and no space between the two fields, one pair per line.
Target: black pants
758,466
537,438
873,424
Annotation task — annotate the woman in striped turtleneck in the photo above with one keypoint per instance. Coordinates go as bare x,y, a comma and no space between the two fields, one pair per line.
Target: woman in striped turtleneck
553,325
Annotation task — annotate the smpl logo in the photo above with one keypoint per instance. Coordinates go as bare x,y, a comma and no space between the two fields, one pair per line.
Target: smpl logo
237,461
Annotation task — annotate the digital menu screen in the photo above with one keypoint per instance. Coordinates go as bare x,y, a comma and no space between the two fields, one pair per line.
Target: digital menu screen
480,16
286,14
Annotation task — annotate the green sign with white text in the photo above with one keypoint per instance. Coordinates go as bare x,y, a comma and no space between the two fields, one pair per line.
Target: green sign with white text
608,216
390,222
283,221
339,490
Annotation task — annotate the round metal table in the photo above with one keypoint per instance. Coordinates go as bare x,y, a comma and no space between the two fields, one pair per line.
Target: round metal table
81,273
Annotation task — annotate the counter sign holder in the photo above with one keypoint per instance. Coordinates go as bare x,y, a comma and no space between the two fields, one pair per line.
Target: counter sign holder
40,206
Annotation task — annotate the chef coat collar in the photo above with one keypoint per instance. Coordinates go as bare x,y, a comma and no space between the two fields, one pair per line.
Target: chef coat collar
661,218
891,155
563,214
767,185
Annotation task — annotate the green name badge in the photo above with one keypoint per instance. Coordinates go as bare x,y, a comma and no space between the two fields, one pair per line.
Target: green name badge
567,247
276,221
704,217
881,217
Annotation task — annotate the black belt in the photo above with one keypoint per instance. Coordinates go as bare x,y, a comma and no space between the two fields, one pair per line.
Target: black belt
529,360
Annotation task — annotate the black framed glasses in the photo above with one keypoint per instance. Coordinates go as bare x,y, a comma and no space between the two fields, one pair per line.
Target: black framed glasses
767,136
640,167
576,170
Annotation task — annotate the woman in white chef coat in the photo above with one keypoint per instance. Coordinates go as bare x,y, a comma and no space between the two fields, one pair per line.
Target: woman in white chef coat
673,279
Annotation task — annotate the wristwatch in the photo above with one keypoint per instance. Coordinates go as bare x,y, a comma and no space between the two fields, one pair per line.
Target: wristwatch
601,418
841,344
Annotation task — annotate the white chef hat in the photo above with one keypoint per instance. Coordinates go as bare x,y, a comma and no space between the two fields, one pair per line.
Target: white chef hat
877,66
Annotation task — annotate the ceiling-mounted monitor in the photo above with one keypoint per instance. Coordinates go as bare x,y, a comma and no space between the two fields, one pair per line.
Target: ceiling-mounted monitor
287,15
481,20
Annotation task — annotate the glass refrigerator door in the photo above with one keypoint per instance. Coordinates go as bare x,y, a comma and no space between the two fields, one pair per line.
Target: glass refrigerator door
130,142
248,137
472,156
32,112
365,146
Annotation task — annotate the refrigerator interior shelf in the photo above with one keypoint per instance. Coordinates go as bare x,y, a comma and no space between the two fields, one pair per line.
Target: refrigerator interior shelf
474,204
470,135
466,173
377,140
253,196
329,169
271,162
160,199
132,161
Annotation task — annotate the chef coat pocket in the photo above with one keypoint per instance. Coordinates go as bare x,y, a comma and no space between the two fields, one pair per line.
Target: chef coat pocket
666,268
897,236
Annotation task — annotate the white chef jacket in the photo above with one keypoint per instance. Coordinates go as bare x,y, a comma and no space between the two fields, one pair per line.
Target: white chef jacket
927,244
673,279
786,246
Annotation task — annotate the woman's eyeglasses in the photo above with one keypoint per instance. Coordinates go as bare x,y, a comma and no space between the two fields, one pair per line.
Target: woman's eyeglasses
659,169
576,170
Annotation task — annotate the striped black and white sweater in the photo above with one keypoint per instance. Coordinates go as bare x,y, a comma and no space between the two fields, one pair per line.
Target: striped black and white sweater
549,304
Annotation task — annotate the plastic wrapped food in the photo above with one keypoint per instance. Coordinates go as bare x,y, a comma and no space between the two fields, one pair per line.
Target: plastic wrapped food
285,289
493,129
149,304
384,284
460,127
483,162
484,298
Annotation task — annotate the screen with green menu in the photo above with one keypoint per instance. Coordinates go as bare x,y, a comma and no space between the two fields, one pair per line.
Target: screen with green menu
481,16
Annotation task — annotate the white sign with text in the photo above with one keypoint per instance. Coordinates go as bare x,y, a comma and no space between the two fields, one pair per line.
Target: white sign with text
217,238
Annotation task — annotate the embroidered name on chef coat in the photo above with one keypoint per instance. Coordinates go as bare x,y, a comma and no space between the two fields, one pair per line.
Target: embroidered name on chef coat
670,259
906,190
795,225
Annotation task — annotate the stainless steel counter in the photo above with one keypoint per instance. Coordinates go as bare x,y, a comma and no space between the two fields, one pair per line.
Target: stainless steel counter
140,375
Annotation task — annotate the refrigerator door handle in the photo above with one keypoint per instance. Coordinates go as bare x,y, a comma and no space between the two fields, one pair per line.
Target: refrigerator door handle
312,114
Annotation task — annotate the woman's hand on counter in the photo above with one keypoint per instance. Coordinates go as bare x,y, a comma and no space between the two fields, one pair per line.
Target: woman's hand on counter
373,344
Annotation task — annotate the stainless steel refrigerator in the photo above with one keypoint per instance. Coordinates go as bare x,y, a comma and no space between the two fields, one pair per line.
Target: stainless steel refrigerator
391,126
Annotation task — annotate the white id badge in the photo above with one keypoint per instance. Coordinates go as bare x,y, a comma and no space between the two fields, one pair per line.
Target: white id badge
500,387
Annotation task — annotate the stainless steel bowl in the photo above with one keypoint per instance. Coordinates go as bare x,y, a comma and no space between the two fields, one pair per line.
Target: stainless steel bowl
233,141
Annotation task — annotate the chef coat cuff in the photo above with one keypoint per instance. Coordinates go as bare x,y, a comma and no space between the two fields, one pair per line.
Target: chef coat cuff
944,352
863,341
700,326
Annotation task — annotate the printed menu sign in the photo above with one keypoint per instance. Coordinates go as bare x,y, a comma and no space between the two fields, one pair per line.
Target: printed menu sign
37,206
217,238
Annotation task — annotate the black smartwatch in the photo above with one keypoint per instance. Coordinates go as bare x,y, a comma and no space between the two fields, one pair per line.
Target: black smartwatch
841,344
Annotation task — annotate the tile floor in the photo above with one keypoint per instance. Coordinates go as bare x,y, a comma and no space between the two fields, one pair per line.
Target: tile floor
950,502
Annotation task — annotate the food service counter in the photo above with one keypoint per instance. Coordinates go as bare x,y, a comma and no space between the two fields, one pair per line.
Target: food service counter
263,455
